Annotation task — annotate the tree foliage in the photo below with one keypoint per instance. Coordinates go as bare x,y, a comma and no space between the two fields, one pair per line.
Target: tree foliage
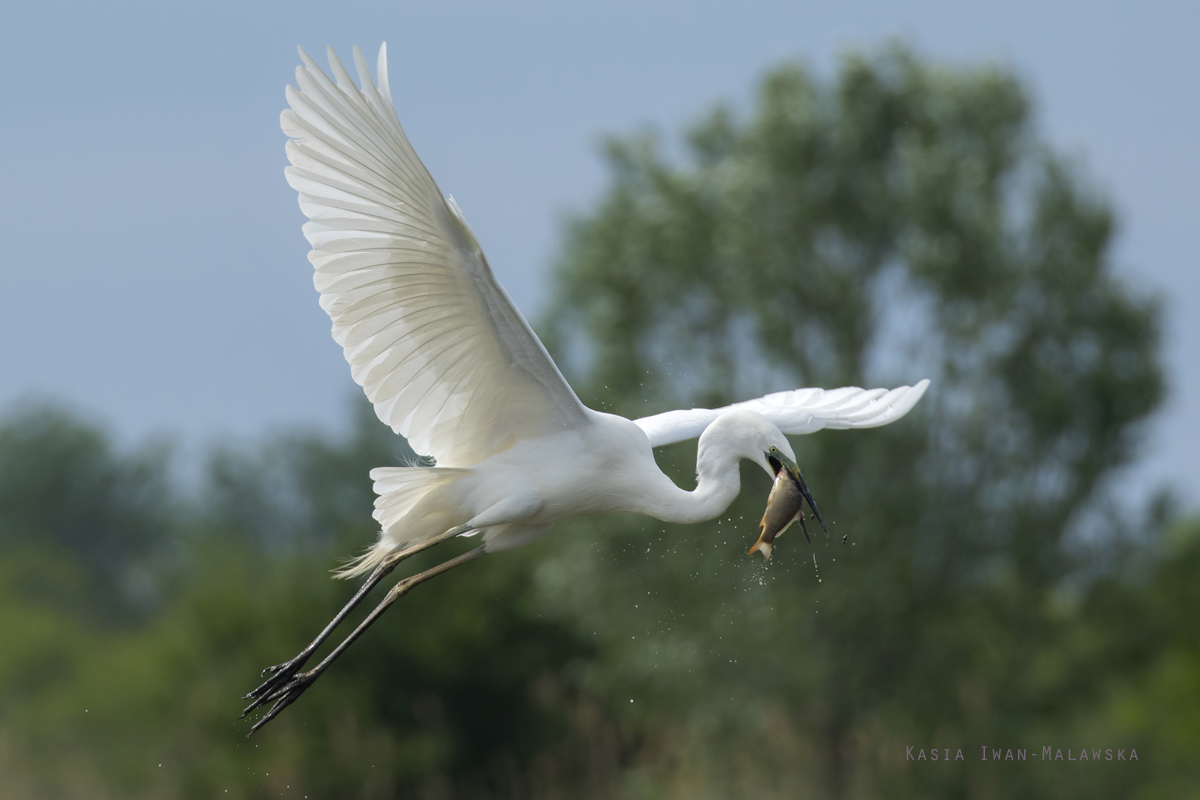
901,222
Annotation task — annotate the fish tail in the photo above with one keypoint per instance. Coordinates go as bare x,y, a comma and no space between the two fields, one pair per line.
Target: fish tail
765,547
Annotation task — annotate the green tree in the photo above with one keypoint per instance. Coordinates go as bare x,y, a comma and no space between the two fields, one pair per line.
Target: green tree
82,521
461,694
1137,624
902,221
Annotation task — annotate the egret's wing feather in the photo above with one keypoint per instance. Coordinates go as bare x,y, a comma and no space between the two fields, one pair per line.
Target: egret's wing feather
795,412
430,334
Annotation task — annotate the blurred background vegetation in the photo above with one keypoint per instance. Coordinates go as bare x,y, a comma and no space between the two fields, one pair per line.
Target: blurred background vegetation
894,222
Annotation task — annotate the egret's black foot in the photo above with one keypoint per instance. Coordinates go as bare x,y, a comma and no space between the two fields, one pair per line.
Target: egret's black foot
272,670
283,697
276,677
286,682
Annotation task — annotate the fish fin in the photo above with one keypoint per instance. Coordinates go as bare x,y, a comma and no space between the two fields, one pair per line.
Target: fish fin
783,530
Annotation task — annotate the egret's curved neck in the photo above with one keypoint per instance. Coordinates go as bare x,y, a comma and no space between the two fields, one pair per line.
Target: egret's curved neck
718,482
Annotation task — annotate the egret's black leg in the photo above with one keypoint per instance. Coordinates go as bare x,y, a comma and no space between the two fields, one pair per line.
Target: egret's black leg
282,673
285,695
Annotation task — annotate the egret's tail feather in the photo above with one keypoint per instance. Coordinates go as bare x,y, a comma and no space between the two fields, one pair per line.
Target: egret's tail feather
399,490
366,563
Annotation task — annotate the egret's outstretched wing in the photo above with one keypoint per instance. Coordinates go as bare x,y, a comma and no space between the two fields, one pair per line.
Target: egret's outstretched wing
431,336
795,412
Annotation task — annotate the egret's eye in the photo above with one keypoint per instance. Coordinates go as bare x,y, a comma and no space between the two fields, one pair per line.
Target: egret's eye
774,449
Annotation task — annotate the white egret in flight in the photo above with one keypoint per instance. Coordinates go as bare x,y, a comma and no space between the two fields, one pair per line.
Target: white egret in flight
451,364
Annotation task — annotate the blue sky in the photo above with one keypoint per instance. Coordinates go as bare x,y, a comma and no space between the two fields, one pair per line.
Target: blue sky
155,274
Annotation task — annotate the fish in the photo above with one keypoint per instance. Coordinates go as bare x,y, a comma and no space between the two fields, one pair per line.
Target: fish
785,505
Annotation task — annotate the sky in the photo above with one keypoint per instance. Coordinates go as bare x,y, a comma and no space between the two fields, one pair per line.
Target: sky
155,277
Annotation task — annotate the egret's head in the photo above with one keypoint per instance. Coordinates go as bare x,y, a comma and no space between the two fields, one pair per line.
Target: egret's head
777,460
742,433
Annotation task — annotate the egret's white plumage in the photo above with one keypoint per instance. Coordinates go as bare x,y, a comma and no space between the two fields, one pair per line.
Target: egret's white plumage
451,364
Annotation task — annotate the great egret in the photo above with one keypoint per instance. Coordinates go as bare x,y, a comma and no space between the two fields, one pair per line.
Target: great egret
449,363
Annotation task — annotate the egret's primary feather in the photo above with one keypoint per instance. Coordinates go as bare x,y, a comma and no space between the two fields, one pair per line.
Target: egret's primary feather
431,336
795,412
